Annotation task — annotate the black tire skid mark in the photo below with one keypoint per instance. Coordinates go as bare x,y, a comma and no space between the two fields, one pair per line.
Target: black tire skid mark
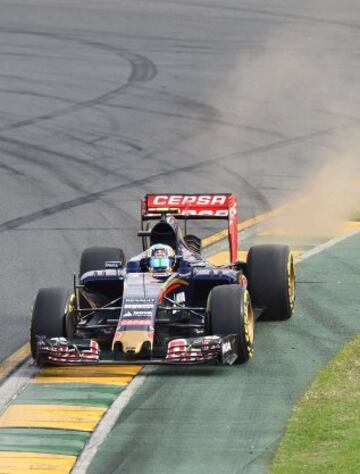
50,165
181,101
198,118
36,159
13,171
96,142
252,192
115,128
125,140
142,70
207,113
272,14
53,166
14,78
92,197
185,102
39,95
85,199
194,104
58,170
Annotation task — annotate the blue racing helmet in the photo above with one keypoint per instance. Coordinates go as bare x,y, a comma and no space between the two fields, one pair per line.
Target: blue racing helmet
161,258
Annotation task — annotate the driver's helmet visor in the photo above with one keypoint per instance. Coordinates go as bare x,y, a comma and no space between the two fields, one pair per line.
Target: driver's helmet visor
159,263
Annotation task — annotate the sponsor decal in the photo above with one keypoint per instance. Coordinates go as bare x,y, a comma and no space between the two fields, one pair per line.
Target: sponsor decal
233,212
139,300
114,264
190,200
137,315
196,212
142,313
138,306
226,347
136,322
208,212
104,273
180,297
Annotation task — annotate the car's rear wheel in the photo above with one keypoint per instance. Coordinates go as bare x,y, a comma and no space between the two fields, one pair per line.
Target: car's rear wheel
193,242
271,275
230,312
94,258
49,315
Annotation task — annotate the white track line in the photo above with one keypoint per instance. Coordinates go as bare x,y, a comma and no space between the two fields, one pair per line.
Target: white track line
326,245
14,384
108,422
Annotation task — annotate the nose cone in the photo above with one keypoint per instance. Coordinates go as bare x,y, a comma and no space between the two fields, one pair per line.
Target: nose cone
132,342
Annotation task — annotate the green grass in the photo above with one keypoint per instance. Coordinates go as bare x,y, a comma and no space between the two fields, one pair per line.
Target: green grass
323,435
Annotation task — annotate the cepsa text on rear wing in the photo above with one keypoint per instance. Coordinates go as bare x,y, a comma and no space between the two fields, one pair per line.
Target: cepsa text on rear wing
195,206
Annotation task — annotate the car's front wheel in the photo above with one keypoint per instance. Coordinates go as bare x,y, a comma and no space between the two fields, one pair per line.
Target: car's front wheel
49,315
230,312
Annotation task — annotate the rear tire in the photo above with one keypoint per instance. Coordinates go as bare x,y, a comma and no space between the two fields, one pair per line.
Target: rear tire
231,313
48,316
193,242
271,276
94,258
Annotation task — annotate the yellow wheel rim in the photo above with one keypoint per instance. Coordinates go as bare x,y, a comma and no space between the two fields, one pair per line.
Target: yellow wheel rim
291,281
249,323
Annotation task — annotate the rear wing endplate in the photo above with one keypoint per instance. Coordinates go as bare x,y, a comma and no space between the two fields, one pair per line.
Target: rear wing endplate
195,206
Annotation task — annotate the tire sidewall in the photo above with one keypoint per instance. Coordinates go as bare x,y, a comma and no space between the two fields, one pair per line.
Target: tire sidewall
48,314
229,313
267,270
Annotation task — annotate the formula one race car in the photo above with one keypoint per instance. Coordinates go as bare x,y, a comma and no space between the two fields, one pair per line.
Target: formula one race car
167,305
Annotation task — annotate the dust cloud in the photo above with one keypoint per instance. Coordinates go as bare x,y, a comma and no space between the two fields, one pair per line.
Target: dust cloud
295,84
327,201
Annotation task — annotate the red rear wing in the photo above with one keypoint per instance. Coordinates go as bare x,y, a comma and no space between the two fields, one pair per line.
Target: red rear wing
195,206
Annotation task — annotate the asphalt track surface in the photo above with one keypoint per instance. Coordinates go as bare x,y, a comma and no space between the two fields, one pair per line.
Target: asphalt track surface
101,102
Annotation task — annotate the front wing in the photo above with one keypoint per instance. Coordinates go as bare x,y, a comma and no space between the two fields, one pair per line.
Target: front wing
184,351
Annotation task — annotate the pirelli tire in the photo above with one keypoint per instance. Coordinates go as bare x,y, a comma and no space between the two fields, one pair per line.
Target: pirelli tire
230,312
94,258
49,315
271,277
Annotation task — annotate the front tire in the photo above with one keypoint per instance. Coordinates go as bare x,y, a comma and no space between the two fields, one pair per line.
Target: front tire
94,258
231,313
48,316
271,276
